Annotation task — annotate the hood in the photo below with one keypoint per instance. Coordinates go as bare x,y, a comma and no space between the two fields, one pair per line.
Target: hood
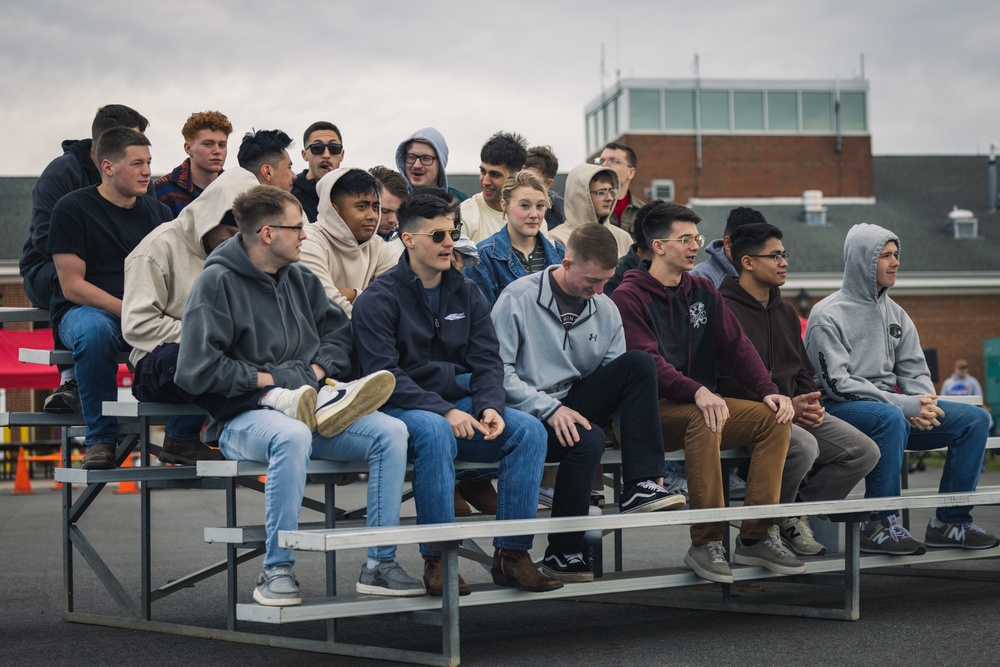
204,213
330,221
717,250
234,257
80,149
579,206
731,289
435,139
862,247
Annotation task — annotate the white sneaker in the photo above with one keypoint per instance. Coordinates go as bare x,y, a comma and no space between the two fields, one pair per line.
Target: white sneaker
298,403
798,537
340,404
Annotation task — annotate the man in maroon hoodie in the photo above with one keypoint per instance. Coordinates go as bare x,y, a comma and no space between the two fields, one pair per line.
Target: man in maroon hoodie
683,322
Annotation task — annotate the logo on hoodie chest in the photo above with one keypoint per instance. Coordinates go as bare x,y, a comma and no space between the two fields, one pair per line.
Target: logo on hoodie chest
697,314
895,331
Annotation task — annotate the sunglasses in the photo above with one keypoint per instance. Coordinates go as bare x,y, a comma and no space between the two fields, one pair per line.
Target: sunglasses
437,236
318,148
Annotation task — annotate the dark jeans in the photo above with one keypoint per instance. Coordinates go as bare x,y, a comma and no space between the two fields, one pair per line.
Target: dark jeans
627,384
154,382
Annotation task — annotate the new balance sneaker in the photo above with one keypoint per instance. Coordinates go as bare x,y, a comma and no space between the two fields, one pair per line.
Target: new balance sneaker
545,495
65,399
675,482
340,404
299,404
768,554
277,587
388,578
709,562
737,487
798,537
648,496
958,535
888,537
569,568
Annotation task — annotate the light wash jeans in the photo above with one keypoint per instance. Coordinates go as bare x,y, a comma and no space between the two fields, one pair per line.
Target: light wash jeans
520,449
286,445
963,431
95,338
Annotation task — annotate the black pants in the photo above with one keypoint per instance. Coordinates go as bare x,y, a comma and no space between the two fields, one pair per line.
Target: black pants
627,384
154,382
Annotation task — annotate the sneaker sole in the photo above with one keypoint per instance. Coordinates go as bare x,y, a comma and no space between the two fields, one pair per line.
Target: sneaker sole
366,589
305,411
777,568
955,545
918,551
366,400
275,602
707,574
675,502
567,577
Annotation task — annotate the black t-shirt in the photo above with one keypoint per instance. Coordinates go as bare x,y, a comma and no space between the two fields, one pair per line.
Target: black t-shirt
102,234
570,307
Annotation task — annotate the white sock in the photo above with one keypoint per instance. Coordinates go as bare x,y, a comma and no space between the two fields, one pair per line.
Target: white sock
67,375
372,564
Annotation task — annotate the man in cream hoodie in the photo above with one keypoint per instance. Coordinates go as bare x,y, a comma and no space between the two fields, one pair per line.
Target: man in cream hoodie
342,248
591,192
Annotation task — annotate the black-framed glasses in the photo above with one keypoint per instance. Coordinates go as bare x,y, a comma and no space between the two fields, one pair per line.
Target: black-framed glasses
297,228
776,256
437,236
319,147
687,240
426,160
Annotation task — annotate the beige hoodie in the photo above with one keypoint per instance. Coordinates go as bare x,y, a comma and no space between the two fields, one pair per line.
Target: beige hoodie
580,208
335,256
160,271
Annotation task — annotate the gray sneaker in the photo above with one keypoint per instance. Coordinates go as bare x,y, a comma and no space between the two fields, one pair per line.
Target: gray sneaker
388,578
959,535
277,587
798,537
769,554
709,562
889,538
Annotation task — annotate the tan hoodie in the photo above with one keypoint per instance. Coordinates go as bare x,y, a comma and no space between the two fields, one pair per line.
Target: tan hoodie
580,207
335,256
160,271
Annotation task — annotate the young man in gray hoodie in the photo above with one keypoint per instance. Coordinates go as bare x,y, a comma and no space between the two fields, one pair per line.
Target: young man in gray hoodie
873,375
422,159
257,322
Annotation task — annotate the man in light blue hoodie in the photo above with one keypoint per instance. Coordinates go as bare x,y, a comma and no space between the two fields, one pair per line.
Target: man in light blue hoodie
423,158
873,375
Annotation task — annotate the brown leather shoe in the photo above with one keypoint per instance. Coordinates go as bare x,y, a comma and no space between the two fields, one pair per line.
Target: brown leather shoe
480,494
514,568
432,578
187,452
461,507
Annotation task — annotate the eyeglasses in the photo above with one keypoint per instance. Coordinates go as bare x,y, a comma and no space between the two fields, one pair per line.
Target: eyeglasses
426,160
604,192
687,240
777,256
297,228
612,161
318,148
437,236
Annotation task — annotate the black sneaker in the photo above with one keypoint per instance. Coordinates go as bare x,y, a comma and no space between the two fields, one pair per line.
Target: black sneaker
65,399
100,456
187,452
959,535
648,496
566,567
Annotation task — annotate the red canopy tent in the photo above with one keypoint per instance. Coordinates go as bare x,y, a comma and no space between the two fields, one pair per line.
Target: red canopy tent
17,375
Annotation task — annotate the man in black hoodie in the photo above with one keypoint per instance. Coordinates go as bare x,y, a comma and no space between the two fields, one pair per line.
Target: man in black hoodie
827,457
76,168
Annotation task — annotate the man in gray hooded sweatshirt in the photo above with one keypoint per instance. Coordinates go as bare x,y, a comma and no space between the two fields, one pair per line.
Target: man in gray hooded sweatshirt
873,375
423,158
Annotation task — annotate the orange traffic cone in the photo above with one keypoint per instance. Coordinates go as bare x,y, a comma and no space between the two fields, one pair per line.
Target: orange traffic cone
22,480
127,487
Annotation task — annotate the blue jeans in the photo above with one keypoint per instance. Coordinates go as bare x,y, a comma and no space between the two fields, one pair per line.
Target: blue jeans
95,338
286,445
520,449
963,431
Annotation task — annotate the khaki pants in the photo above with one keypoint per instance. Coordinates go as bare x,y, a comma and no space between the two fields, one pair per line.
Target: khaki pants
749,422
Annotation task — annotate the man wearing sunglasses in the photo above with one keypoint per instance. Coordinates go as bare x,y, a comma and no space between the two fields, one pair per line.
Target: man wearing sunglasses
323,151
827,457
431,327
683,322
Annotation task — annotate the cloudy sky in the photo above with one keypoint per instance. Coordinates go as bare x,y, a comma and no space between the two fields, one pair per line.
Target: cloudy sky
380,70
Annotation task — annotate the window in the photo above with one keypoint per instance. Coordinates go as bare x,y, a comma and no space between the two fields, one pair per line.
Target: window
644,109
602,136
679,105
715,110
817,112
782,112
611,115
748,110
591,133
852,112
